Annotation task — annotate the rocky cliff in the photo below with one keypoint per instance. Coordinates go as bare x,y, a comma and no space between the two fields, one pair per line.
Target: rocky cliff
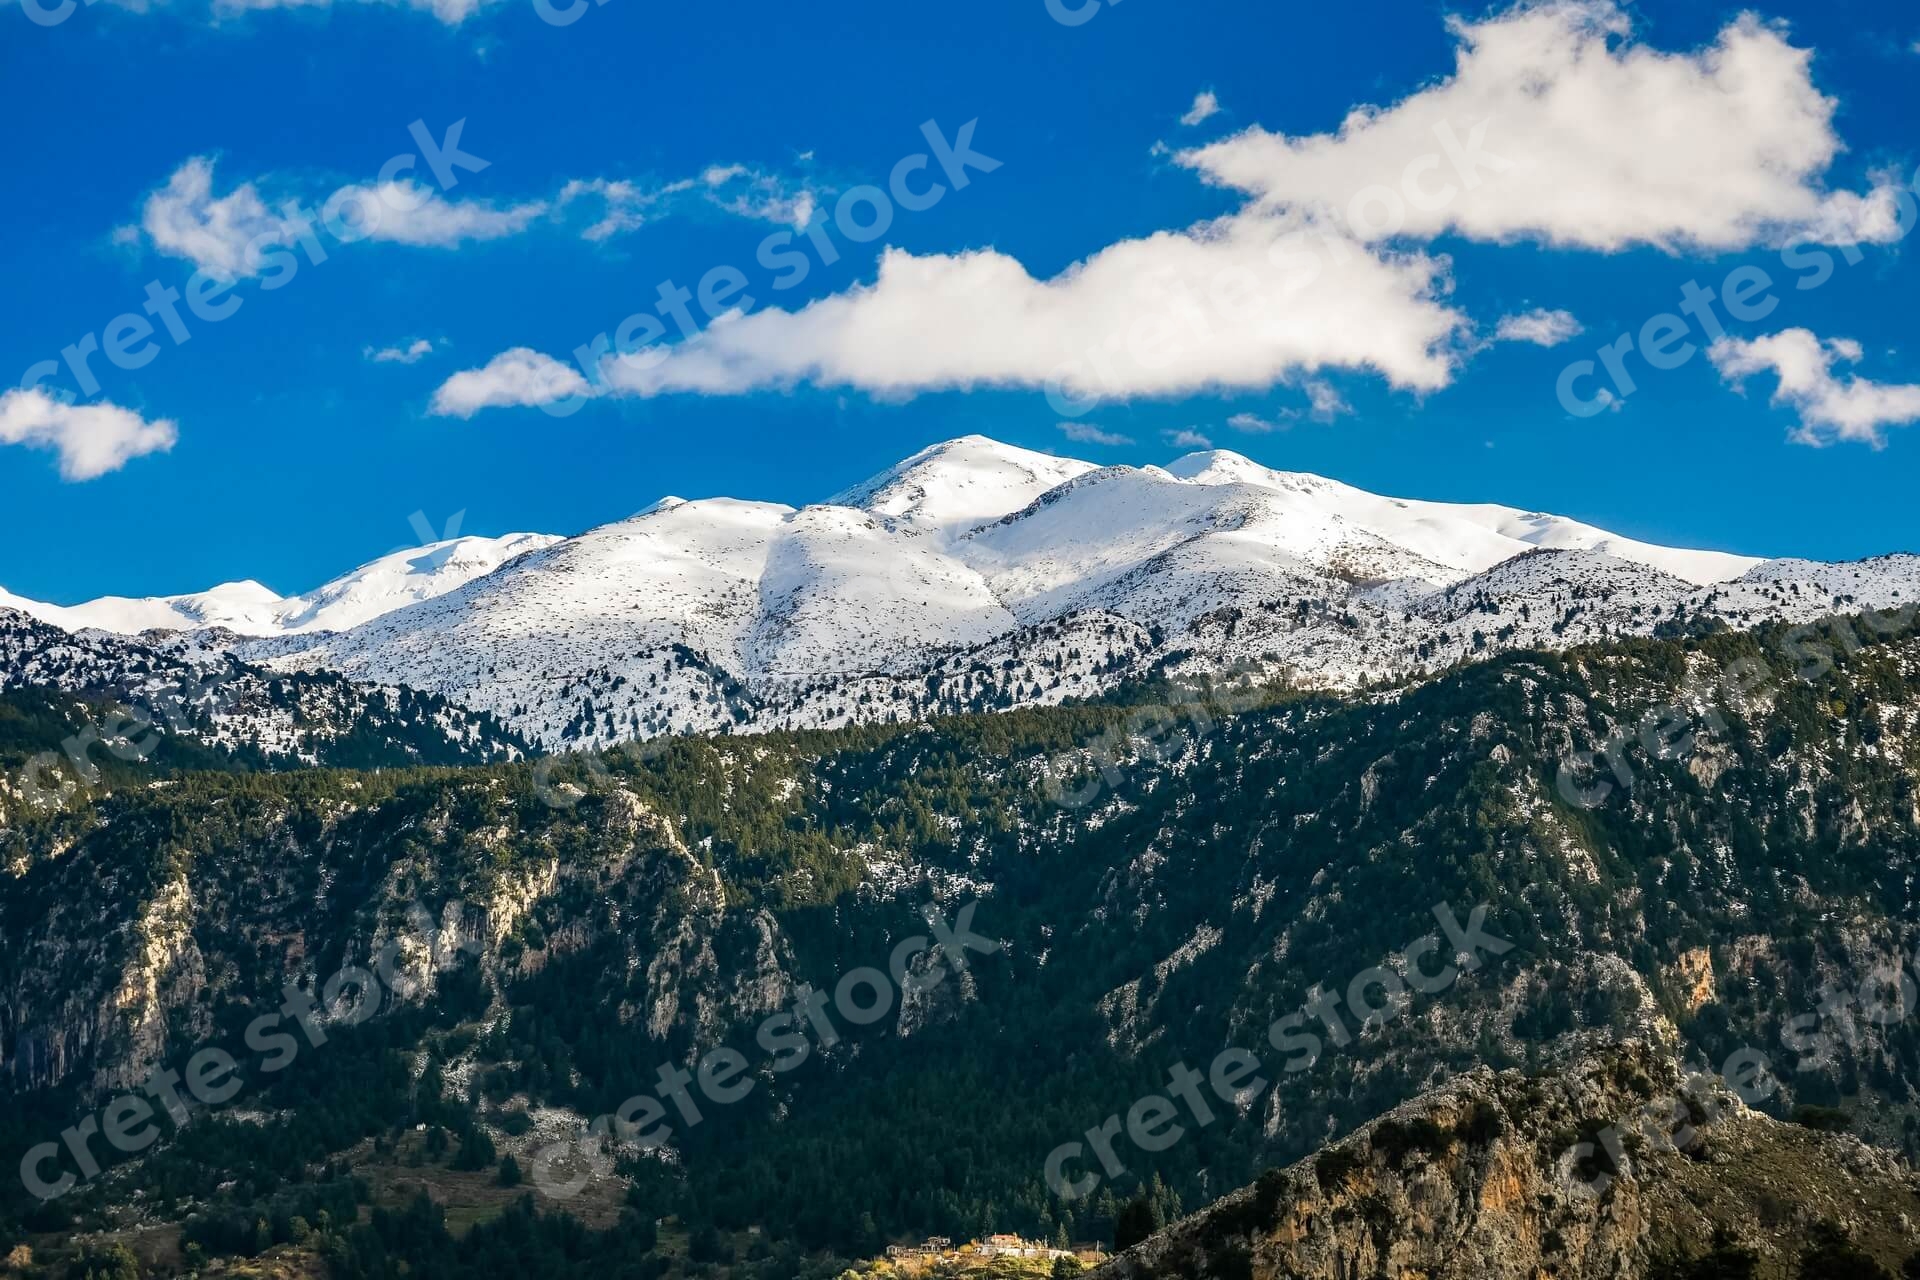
1613,1170
1171,875
220,895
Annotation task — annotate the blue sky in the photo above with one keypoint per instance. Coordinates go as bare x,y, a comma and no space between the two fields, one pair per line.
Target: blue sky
295,455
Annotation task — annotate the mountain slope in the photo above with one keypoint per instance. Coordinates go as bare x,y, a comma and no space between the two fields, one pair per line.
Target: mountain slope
1172,876
960,483
1477,1181
395,580
712,615
119,700
401,578
244,608
976,576
1467,537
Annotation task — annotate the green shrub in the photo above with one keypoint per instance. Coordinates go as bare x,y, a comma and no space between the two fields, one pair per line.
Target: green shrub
1396,1140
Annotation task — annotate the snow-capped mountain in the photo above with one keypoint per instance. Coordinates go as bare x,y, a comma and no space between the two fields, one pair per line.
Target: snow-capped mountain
397,579
1468,537
975,575
960,483
123,697
240,607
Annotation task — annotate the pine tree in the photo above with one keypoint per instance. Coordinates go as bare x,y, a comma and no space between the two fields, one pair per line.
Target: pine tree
1136,1222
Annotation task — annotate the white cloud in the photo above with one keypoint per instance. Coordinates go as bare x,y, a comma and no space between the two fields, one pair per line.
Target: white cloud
226,235
627,205
91,439
1558,126
517,377
1541,328
412,353
408,213
755,193
1881,216
184,219
1087,433
1186,438
737,188
1325,403
1206,105
451,12
1831,408
1239,303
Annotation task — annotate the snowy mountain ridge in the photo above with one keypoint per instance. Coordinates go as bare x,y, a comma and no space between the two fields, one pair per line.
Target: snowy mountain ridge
975,575
399,578
123,697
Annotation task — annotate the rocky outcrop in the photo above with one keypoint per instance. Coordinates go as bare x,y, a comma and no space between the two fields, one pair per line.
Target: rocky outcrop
1594,1173
115,955
162,979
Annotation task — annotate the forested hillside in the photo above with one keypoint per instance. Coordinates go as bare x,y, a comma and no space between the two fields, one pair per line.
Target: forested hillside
1171,873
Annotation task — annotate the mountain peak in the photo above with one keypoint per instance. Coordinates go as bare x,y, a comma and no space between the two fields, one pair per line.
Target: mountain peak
667,503
1224,466
962,482
722,614
1201,459
401,578
245,591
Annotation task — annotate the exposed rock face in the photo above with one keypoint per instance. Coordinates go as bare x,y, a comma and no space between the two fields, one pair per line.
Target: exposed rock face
1692,979
164,974
1502,1177
1167,881
408,885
